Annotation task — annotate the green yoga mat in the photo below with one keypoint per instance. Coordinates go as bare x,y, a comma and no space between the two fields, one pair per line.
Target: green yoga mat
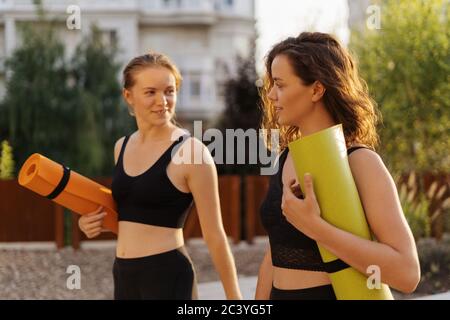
324,155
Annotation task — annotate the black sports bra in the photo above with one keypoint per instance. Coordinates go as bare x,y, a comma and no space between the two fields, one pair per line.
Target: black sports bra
290,248
150,198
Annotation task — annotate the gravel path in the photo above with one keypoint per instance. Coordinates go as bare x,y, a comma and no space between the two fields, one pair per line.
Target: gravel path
42,274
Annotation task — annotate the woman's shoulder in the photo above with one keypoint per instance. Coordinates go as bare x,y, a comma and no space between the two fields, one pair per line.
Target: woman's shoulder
360,149
187,144
118,147
191,150
178,133
358,146
119,142
186,139
122,139
364,161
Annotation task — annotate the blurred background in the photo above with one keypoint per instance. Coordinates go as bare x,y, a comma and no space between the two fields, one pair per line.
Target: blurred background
60,95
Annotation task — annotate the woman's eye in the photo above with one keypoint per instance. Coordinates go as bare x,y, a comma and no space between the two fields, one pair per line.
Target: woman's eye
150,93
170,92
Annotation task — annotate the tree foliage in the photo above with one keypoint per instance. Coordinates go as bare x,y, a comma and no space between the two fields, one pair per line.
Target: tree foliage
67,109
242,112
407,67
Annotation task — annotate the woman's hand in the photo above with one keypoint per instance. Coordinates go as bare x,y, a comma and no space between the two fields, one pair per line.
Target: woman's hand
91,223
303,214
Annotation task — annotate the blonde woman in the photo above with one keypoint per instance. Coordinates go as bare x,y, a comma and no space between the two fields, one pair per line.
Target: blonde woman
154,194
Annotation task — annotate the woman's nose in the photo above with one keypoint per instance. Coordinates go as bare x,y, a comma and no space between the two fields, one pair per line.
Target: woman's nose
272,95
162,99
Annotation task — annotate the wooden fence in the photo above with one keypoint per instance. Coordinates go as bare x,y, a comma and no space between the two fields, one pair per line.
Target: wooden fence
27,217
255,192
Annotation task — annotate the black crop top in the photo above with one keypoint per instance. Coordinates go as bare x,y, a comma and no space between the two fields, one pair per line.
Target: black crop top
290,248
150,198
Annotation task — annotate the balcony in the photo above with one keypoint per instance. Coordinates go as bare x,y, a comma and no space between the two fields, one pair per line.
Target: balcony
202,6
177,12
104,6
153,12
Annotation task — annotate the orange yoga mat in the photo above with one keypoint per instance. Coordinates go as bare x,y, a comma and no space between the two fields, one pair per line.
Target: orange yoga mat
68,188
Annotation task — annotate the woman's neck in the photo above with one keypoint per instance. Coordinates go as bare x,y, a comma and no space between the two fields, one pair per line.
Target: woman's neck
147,133
318,120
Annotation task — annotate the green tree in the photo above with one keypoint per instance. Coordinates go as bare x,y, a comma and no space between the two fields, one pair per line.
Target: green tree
69,110
6,162
407,67
36,111
242,111
100,116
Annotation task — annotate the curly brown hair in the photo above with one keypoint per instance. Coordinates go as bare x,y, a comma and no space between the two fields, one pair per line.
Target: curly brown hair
317,56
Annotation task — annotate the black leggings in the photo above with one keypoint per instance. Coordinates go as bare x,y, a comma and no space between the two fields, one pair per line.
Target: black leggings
316,293
166,276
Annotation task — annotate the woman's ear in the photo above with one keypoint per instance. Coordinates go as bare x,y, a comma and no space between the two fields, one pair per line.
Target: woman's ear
318,91
129,100
127,96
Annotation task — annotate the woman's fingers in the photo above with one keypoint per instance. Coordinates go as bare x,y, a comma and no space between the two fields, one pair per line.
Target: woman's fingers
93,233
95,230
90,223
94,225
99,210
95,217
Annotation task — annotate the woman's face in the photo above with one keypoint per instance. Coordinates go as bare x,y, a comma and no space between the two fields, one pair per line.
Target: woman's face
153,96
293,100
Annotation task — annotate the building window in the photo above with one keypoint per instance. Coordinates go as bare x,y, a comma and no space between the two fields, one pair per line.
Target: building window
195,88
229,3
223,4
113,37
109,37
172,3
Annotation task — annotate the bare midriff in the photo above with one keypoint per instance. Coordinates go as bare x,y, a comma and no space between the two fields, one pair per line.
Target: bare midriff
139,240
290,279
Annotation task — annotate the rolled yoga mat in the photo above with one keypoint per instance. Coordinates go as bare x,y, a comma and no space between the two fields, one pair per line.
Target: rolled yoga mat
68,188
324,155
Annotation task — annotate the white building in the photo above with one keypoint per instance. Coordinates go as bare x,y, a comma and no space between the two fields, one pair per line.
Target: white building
203,37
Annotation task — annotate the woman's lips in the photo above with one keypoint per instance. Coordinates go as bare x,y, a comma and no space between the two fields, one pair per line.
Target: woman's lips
160,112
